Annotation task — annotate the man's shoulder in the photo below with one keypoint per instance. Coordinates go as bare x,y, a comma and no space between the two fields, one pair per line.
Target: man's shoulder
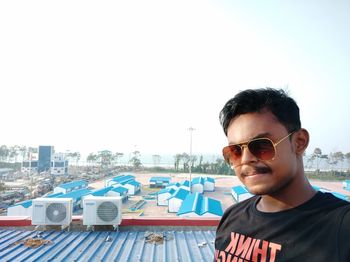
326,199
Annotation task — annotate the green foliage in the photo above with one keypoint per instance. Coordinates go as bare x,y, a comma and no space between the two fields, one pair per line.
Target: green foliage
14,166
135,160
328,175
217,167
2,187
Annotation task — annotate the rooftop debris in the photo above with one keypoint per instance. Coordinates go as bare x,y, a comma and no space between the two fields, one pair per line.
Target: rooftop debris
33,242
155,238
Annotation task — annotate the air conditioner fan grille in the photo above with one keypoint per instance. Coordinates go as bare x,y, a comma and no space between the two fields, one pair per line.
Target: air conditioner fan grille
107,211
56,212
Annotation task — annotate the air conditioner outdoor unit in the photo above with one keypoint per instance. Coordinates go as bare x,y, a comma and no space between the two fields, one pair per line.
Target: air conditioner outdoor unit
102,210
52,211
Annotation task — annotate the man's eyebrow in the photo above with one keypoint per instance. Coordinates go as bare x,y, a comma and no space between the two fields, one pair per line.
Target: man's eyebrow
261,135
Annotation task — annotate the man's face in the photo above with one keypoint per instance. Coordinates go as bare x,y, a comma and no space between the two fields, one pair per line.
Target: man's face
263,177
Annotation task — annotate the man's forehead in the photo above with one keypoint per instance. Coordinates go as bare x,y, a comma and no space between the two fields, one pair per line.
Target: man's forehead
253,125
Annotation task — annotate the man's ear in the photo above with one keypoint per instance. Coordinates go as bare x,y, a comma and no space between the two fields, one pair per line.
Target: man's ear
301,141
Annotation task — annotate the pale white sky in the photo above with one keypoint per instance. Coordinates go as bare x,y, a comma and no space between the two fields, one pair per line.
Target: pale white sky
125,75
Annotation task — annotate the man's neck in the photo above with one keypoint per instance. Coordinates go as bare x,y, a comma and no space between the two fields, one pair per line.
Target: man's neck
287,199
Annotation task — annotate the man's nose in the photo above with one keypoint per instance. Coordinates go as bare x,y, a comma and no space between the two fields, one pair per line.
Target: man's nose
247,156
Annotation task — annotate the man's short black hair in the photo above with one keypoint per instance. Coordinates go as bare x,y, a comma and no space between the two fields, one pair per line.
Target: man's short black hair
276,101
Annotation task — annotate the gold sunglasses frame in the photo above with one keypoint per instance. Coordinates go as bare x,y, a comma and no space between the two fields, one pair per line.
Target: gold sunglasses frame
245,144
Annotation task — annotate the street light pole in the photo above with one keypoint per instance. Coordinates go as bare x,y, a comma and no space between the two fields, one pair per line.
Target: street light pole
190,169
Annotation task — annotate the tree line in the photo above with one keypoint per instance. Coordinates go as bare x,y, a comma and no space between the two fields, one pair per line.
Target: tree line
183,162
333,160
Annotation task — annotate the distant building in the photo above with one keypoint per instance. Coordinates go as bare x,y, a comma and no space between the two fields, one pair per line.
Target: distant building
119,191
119,180
240,193
175,201
20,209
185,185
346,184
6,174
44,161
197,205
133,187
209,184
71,186
59,165
163,195
197,185
29,166
174,186
76,196
157,181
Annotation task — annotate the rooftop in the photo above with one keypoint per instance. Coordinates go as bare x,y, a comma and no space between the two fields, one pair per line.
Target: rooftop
140,239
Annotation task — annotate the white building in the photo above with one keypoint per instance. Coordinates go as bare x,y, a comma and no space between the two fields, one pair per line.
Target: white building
209,184
185,185
175,201
133,187
197,205
71,186
119,191
240,193
20,209
59,164
197,185
163,195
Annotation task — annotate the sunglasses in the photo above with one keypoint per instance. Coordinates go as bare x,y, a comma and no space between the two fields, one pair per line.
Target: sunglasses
261,148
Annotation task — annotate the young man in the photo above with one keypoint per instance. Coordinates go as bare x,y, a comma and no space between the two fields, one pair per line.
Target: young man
286,220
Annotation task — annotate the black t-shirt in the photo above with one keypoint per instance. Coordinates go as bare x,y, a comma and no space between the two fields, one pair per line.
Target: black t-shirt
318,230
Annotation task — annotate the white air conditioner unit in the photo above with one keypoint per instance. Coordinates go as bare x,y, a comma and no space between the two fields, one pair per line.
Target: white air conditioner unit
52,211
102,210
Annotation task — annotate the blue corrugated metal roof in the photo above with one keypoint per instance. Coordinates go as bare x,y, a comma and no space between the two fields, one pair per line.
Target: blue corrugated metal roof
209,179
54,195
73,184
160,178
25,204
166,190
123,246
198,180
189,204
76,195
180,194
200,204
123,179
212,206
101,192
134,183
120,189
240,190
346,184
185,183
173,184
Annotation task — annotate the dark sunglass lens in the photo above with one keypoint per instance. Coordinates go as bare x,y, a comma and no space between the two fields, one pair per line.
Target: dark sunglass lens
262,149
232,153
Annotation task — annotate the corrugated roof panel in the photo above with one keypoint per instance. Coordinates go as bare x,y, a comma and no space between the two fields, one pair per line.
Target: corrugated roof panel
109,246
73,184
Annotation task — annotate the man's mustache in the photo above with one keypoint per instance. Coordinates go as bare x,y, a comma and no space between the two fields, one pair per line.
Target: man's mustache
253,169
